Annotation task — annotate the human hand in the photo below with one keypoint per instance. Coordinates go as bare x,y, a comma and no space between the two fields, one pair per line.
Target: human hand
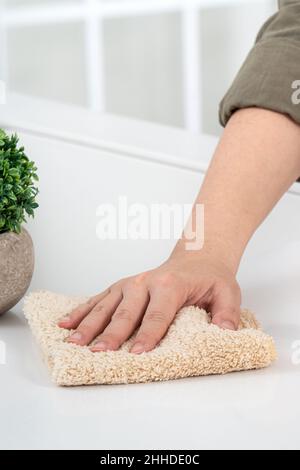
149,301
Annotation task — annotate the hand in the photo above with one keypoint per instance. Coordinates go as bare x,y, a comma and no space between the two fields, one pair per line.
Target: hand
150,301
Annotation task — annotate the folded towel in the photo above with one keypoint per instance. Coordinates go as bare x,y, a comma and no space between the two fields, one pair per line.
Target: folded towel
192,347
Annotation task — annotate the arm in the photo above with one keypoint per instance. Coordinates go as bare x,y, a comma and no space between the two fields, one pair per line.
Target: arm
257,159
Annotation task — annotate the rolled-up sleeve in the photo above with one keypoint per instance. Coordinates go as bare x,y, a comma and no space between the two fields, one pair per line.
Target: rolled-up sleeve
270,76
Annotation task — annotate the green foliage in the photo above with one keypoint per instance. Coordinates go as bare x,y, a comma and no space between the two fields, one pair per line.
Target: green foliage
17,184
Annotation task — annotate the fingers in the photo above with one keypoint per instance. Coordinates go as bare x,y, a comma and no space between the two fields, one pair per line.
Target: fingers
114,315
73,319
158,317
97,319
225,308
124,322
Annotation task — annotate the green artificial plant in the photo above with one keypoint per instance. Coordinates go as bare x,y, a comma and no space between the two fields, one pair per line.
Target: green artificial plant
17,184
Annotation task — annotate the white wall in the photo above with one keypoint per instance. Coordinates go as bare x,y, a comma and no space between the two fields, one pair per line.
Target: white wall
142,69
48,61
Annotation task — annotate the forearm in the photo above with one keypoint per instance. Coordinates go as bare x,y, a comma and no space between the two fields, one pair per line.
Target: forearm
256,161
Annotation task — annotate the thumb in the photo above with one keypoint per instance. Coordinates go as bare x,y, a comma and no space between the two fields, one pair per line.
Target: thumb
225,308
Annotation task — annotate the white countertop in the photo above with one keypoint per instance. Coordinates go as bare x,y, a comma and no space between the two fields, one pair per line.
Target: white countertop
259,409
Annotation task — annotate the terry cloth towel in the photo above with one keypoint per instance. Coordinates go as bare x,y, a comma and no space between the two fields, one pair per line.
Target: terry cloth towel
192,347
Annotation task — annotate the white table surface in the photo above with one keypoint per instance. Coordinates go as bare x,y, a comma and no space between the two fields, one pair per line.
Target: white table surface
259,409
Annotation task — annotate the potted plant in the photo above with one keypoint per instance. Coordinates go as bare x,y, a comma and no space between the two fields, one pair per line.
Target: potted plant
17,200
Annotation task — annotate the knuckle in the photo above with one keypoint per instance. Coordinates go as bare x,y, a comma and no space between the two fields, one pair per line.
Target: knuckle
138,280
167,279
123,280
87,326
123,314
117,286
156,316
98,308
77,314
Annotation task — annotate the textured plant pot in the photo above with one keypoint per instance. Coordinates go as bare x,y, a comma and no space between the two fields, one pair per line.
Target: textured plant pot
16,267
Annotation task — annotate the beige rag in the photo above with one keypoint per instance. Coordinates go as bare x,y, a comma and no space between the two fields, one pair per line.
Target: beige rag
192,347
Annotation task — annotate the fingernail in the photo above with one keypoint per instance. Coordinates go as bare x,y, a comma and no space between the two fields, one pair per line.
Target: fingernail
64,319
228,325
75,337
138,348
101,346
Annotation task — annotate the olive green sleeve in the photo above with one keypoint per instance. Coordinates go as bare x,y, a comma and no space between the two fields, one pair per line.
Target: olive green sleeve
267,79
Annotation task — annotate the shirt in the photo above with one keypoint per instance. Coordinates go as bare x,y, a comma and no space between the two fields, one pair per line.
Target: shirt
270,76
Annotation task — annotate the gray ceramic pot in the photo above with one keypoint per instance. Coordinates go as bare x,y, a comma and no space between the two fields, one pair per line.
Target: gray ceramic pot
16,267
